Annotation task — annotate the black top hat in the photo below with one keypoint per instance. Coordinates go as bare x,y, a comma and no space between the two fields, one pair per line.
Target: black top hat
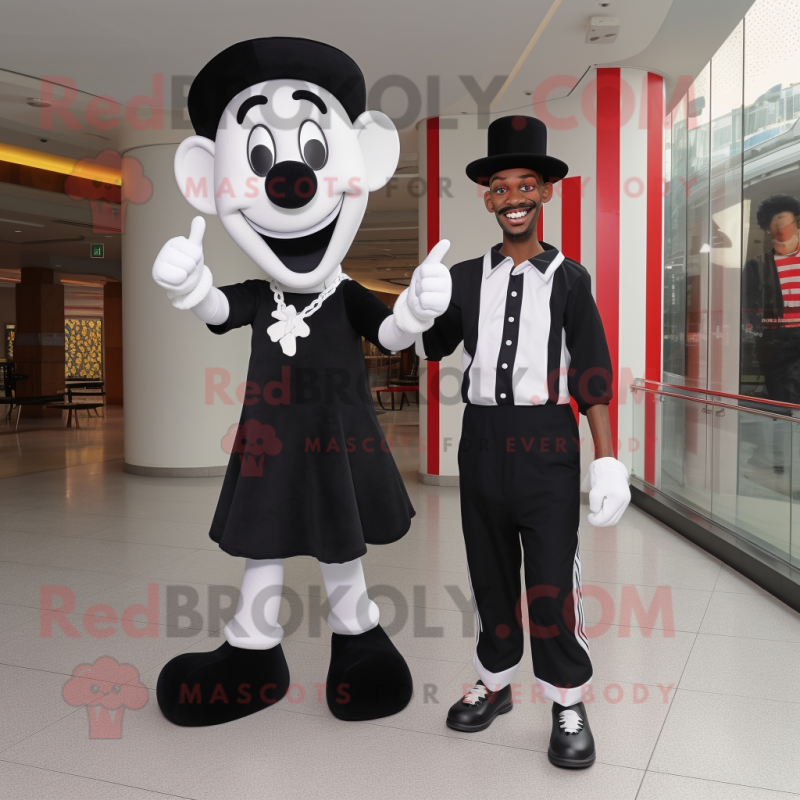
257,60
515,143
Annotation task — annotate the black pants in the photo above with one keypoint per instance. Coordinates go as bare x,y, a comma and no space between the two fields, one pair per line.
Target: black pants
779,358
520,480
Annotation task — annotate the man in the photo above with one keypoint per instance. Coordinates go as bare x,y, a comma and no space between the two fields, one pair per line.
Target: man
772,298
532,337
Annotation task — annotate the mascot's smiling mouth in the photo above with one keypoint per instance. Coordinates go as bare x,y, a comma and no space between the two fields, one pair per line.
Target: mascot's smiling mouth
300,251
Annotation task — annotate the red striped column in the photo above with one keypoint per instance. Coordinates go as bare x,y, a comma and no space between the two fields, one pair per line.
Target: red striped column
608,233
432,213
655,176
571,217
571,234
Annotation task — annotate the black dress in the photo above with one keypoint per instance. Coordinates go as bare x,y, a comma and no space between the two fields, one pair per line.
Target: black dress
310,471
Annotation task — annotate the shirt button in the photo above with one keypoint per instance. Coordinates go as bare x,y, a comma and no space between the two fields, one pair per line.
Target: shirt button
508,342
513,294
503,396
511,319
505,366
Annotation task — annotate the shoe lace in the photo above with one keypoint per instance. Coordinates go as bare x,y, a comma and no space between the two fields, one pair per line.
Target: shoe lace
570,721
476,693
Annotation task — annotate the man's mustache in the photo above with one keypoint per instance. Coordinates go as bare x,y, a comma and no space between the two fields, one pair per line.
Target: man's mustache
516,208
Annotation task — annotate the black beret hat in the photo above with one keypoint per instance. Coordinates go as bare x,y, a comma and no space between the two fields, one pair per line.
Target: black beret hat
258,60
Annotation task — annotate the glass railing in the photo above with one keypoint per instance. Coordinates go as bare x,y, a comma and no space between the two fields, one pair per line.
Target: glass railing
732,459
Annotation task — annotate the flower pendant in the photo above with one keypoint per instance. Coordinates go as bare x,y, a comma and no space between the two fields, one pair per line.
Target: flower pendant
288,328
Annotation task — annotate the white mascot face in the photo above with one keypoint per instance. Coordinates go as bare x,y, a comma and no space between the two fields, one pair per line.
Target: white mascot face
289,176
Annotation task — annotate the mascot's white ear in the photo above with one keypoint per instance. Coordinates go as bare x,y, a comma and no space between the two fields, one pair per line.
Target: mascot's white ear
194,172
380,146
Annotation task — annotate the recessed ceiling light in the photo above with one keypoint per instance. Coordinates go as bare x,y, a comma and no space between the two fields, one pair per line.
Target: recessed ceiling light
17,231
37,102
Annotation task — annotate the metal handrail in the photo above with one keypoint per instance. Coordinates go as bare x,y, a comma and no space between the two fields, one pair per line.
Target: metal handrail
744,397
635,387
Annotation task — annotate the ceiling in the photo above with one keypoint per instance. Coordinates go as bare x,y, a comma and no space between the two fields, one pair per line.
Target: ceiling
127,50
415,39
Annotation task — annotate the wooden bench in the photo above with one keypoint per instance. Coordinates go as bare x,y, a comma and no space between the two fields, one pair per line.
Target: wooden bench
78,393
34,400
392,390
76,407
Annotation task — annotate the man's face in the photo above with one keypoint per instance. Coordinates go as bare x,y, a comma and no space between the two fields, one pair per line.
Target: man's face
515,197
783,226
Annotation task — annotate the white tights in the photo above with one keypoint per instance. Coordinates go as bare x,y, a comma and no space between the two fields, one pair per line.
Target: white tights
255,625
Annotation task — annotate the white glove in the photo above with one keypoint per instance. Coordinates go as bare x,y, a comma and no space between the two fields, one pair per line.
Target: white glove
179,268
609,492
428,294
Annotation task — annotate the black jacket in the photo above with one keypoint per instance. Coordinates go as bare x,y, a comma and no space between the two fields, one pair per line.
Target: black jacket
761,291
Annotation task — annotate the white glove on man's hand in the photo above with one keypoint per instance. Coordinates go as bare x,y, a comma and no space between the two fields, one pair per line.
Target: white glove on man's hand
609,492
428,294
179,268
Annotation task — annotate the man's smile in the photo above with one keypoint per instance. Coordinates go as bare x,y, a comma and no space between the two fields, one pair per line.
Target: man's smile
517,216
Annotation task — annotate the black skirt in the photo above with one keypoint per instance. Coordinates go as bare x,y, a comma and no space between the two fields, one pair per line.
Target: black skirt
310,471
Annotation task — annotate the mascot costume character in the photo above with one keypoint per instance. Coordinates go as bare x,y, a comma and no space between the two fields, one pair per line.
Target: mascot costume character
286,155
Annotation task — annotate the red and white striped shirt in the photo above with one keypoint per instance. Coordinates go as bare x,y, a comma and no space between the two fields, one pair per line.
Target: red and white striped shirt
789,277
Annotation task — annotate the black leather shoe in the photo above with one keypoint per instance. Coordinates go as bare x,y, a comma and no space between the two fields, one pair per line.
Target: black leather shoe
476,710
571,740
367,677
199,689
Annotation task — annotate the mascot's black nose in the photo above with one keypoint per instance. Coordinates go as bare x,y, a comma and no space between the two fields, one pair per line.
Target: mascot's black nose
291,184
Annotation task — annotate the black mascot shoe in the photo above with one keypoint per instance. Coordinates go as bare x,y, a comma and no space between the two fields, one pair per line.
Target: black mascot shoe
478,708
571,740
228,683
367,678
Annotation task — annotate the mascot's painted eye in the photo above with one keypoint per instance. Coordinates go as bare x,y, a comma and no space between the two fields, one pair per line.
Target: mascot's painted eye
261,150
313,145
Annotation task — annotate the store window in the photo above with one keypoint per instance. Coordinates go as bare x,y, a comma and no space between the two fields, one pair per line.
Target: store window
732,285
732,213
770,358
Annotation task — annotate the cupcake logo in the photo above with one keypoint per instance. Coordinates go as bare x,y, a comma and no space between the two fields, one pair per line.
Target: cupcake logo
109,201
106,688
253,441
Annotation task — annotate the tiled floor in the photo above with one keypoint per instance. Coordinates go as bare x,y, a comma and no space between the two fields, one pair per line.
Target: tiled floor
45,444
705,704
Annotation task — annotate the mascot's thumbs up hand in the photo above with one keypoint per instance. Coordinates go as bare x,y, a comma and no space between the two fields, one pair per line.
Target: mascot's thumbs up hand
609,492
428,294
431,285
179,268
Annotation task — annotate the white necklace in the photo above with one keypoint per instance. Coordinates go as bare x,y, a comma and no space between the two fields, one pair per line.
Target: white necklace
292,325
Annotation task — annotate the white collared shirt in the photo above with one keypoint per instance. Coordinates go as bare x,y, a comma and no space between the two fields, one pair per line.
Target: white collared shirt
521,328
